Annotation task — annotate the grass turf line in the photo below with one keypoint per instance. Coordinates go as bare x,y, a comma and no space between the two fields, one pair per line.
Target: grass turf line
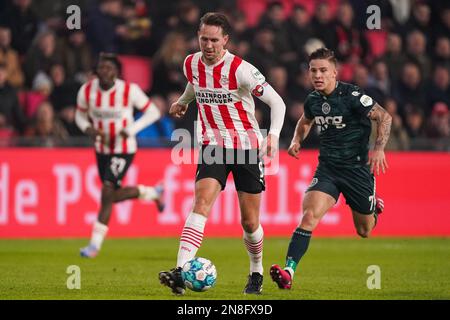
333,268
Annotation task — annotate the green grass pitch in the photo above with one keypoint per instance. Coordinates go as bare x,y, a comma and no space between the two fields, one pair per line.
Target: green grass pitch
333,268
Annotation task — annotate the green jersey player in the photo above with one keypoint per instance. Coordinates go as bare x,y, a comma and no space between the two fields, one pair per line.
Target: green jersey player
343,114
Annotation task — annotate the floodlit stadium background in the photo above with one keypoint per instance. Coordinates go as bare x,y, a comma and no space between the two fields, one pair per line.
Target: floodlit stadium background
48,179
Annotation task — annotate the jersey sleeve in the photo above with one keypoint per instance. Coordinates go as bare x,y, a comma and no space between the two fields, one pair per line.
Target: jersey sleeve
187,67
81,100
250,78
184,66
307,109
361,103
139,99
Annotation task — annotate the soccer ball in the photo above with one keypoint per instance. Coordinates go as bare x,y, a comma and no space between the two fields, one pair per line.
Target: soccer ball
199,274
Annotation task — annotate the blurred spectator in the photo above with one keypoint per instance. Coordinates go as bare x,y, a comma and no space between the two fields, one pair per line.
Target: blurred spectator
312,45
443,26
299,31
414,121
189,18
22,22
105,26
76,54
277,77
323,26
439,89
415,75
352,46
274,20
63,98
159,133
46,127
241,32
398,139
420,20
410,89
168,64
264,52
379,78
41,56
294,112
394,56
10,58
442,52
361,79
438,125
416,51
300,86
242,35
42,84
135,37
11,114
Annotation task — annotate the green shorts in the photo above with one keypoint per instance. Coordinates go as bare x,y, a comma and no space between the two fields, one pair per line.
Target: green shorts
356,184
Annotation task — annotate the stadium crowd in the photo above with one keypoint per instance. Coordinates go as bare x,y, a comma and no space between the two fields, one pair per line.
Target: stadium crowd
405,65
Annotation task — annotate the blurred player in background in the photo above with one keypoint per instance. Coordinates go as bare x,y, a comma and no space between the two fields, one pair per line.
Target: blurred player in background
223,84
343,114
105,113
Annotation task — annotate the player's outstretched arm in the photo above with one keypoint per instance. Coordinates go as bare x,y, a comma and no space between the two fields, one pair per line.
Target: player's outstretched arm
301,132
179,108
377,159
150,115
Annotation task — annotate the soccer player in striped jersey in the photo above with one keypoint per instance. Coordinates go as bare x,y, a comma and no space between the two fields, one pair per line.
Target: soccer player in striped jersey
222,85
105,113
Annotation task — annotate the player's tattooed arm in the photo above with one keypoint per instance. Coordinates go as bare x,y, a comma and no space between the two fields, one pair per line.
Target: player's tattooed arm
377,159
301,132
384,121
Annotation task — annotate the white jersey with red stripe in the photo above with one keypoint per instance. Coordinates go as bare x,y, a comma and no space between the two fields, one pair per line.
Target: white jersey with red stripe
226,109
111,111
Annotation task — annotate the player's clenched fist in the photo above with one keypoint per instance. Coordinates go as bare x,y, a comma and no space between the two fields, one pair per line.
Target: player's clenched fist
177,110
294,149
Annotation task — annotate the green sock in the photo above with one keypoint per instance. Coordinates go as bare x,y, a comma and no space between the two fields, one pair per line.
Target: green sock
297,248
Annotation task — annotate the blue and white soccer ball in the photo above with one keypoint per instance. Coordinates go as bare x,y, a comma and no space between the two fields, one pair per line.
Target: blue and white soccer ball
199,274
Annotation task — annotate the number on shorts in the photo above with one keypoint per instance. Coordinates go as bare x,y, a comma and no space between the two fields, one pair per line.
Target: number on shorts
117,165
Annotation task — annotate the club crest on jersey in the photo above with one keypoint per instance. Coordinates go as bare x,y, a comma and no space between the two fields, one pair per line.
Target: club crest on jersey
326,108
224,80
258,91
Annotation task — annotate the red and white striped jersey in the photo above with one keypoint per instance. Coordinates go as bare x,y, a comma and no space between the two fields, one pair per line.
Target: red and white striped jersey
112,111
223,91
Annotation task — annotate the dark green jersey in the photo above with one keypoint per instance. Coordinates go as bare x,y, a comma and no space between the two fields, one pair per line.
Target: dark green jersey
343,124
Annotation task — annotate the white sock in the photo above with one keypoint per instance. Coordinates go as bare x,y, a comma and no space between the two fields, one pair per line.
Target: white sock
147,193
99,231
291,271
254,244
191,238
